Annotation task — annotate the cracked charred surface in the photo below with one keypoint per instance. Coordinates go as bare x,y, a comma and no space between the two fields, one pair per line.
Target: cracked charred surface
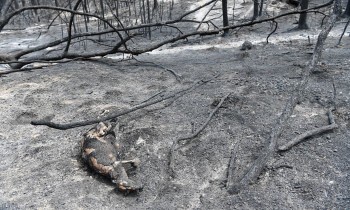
101,150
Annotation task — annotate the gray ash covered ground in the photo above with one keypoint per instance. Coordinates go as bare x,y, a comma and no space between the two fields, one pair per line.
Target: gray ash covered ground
41,167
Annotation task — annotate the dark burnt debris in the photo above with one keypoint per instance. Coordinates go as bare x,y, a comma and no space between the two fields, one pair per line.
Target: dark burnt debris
101,151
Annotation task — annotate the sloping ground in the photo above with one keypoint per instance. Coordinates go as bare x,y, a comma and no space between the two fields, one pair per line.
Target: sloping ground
41,167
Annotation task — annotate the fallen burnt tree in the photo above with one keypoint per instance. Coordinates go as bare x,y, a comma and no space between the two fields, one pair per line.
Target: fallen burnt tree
120,43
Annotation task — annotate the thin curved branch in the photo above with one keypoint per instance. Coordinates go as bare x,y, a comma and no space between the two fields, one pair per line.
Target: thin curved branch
310,133
342,34
211,8
196,9
195,134
274,30
70,27
173,147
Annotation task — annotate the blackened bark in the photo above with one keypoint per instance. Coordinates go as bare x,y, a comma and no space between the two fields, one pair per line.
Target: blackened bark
304,4
225,16
347,10
256,9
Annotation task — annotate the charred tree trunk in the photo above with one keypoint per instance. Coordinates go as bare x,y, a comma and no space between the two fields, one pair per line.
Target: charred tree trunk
261,7
16,4
149,18
347,10
337,9
256,9
23,3
155,4
2,3
304,4
103,12
225,16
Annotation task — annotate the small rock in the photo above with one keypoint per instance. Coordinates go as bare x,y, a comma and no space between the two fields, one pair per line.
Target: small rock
141,141
247,45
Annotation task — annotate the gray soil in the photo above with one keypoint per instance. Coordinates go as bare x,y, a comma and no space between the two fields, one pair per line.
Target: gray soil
41,167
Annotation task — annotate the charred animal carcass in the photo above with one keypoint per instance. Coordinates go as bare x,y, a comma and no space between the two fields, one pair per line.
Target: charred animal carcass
101,150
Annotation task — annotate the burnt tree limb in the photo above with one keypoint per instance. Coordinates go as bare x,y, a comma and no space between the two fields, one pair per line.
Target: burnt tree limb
176,142
16,62
310,133
65,126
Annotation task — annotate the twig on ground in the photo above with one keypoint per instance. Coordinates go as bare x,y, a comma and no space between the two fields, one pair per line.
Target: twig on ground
178,77
310,133
173,147
195,134
66,126
154,95
253,172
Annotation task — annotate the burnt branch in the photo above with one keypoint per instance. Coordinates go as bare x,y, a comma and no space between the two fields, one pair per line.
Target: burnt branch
70,27
8,17
311,133
342,34
174,147
205,16
19,63
272,32
195,134
65,126
177,76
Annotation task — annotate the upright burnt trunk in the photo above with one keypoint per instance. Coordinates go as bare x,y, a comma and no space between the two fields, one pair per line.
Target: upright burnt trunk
225,16
256,9
304,4
347,10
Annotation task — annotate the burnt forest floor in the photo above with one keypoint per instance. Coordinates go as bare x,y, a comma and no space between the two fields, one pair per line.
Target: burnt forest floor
41,167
